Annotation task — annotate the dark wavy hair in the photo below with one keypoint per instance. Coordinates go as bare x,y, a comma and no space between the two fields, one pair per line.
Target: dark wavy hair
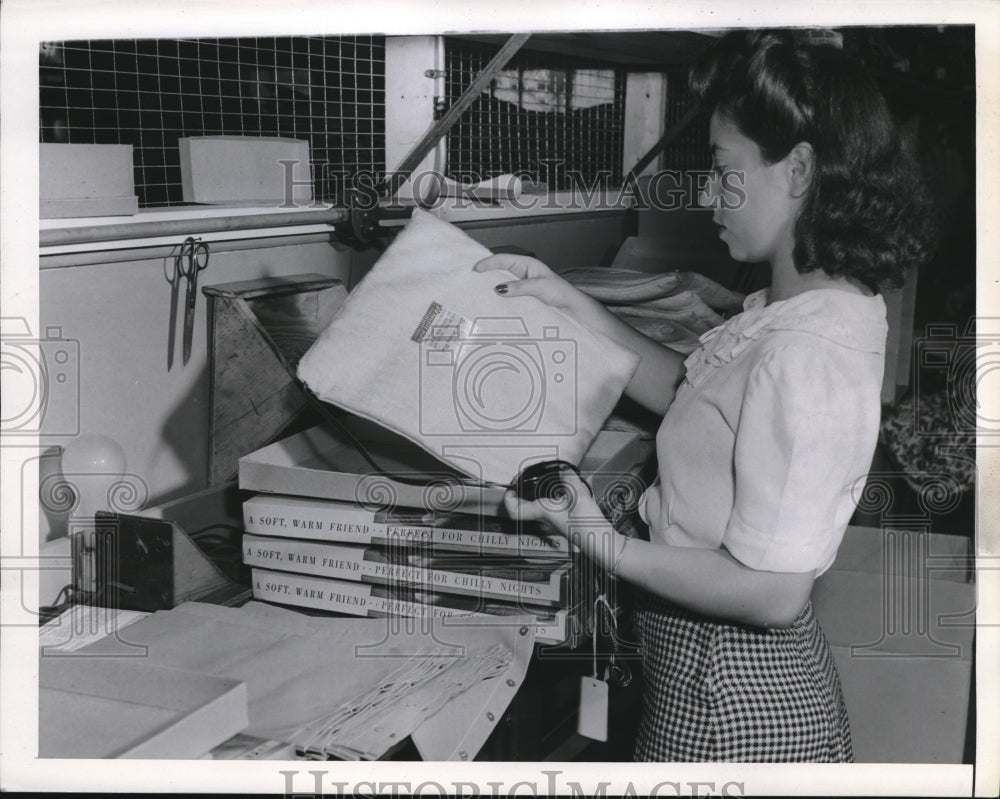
866,214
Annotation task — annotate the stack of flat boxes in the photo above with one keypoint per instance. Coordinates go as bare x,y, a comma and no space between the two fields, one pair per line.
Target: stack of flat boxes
348,558
320,537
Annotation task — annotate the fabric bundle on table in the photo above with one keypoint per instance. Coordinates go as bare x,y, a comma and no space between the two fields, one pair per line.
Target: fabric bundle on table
347,688
673,308
366,725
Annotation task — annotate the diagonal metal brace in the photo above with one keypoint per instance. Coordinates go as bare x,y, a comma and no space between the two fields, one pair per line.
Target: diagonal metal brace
452,115
665,140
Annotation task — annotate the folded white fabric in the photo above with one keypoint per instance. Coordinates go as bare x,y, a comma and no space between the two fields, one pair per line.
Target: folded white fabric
628,287
673,308
424,346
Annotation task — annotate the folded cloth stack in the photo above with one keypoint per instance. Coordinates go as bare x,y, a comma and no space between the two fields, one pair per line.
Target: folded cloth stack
673,308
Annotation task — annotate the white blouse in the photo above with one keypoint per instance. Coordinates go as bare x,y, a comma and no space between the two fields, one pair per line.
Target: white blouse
767,445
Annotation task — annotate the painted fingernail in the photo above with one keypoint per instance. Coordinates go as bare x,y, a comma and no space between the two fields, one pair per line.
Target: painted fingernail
501,289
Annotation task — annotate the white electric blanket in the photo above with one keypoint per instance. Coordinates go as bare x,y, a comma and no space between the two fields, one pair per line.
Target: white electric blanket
424,346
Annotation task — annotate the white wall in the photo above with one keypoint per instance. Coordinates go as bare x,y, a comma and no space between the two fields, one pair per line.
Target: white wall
131,388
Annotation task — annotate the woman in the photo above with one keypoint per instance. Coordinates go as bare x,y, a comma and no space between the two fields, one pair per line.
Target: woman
770,426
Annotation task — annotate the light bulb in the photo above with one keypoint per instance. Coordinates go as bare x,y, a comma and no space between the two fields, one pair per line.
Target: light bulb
91,464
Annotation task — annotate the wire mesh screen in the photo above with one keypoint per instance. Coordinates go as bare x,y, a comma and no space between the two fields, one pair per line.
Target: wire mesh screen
149,92
690,149
557,120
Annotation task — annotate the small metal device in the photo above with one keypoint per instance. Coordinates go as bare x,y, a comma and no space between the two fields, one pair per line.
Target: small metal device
543,480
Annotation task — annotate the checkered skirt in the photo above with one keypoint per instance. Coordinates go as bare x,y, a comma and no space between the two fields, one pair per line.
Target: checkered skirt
728,693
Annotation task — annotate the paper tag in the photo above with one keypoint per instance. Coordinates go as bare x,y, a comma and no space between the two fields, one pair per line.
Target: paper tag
593,719
440,329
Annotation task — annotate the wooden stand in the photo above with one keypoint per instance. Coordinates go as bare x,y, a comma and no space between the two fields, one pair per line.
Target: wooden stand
260,330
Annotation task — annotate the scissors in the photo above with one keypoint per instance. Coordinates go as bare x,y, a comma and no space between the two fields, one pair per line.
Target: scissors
192,258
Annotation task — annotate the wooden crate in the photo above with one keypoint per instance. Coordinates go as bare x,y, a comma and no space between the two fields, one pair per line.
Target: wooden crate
260,330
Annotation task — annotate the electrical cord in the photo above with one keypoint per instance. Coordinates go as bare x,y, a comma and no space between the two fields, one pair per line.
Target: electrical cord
47,613
75,596
323,409
221,543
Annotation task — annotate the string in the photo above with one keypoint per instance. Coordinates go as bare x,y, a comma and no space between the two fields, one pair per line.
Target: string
593,634
621,674
602,600
323,409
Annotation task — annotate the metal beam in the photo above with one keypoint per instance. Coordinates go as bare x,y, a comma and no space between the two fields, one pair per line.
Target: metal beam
452,115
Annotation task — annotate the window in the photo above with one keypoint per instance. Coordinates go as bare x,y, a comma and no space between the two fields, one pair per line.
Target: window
558,119
150,92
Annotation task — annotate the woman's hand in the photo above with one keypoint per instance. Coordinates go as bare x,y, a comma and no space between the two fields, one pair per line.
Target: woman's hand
655,379
535,279
576,516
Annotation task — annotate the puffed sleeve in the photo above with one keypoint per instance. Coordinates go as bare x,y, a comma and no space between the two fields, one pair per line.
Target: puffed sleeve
806,434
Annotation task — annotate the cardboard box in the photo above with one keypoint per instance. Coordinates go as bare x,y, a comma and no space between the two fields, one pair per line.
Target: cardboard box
898,609
86,180
325,464
245,170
